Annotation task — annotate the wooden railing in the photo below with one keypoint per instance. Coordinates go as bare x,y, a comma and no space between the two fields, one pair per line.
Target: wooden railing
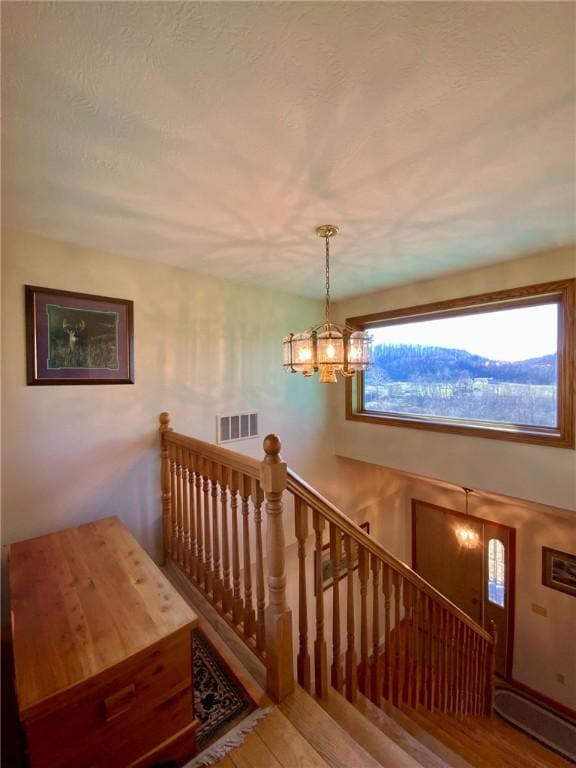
212,501
390,635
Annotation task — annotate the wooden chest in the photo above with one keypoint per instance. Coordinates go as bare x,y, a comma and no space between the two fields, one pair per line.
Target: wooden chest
102,651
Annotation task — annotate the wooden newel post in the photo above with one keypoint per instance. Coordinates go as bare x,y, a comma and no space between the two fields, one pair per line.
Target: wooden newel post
490,667
165,485
279,656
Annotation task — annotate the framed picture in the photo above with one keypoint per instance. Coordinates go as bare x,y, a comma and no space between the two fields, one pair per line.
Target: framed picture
77,338
559,570
327,566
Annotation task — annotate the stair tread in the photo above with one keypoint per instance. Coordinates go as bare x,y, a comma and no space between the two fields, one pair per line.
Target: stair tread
278,733
330,740
423,747
274,743
377,740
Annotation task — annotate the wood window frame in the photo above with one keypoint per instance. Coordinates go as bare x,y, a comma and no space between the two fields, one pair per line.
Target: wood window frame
562,436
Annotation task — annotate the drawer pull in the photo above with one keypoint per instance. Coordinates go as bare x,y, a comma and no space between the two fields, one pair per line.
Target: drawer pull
119,702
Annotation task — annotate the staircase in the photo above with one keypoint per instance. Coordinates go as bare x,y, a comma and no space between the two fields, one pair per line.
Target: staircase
387,671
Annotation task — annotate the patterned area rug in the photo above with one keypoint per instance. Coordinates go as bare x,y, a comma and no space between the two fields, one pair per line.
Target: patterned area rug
544,725
219,700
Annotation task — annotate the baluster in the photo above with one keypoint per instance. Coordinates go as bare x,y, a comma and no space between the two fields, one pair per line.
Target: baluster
433,655
426,651
468,662
165,484
337,672
192,518
473,670
482,688
376,675
456,664
257,499
463,690
301,532
472,662
415,644
320,650
350,661
430,620
216,564
477,699
174,495
459,687
186,513
387,591
179,510
490,667
429,654
237,607
443,661
408,641
396,641
453,665
249,618
364,680
226,584
206,468
199,522
419,651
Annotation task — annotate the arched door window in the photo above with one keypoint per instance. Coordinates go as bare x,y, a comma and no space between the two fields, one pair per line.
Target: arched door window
496,572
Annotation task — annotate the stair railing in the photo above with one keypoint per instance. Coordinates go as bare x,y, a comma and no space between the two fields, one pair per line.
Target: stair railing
212,501
391,635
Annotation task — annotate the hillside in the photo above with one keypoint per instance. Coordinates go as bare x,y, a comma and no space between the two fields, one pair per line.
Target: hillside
402,362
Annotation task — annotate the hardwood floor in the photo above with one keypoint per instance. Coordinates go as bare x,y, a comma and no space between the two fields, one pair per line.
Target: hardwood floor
487,742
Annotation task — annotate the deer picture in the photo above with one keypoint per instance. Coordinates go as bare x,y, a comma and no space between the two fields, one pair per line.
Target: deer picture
74,331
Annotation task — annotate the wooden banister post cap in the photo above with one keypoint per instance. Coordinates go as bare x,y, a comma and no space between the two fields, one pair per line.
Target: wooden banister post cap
164,421
273,471
272,447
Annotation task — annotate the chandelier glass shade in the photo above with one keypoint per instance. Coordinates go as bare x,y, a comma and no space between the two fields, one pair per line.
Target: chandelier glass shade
327,348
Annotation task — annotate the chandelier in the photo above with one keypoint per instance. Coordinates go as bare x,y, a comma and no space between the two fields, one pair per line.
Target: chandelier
328,348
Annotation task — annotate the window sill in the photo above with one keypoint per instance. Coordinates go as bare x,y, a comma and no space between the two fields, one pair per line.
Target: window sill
524,434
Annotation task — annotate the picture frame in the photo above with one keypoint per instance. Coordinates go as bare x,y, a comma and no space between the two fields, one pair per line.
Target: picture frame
327,566
559,570
78,338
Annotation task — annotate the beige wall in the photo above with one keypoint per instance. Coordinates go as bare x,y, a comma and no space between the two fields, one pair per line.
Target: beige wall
202,346
542,474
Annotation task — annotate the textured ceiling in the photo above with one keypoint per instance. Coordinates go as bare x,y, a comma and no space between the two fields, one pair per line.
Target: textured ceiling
215,136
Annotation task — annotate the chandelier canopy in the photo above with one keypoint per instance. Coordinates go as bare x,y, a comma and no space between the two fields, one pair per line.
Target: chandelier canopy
327,348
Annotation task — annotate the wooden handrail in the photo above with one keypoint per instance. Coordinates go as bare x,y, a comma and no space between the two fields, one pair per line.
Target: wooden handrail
237,462
307,494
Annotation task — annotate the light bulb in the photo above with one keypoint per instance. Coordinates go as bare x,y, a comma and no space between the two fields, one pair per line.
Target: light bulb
467,538
330,351
304,355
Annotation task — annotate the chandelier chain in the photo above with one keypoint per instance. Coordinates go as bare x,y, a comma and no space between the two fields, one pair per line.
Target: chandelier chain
327,299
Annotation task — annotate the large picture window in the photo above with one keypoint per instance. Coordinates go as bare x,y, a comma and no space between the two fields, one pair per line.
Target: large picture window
496,365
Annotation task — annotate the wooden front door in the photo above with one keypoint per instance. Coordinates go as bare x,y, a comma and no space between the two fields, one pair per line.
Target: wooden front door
469,560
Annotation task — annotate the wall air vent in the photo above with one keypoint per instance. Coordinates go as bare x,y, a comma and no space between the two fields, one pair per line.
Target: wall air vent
240,426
